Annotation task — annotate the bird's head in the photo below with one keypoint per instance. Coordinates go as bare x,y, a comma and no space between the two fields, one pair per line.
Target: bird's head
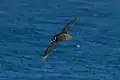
54,38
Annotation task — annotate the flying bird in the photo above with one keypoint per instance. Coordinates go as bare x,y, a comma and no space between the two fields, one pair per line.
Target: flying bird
62,36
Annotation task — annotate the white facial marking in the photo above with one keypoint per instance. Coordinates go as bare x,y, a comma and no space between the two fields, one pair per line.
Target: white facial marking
54,38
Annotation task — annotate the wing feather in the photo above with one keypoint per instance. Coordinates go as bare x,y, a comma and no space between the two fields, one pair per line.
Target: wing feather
68,26
48,50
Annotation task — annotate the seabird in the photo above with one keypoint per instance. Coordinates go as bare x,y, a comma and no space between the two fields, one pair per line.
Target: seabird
62,36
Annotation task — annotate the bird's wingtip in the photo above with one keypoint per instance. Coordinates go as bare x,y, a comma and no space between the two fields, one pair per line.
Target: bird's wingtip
44,58
78,18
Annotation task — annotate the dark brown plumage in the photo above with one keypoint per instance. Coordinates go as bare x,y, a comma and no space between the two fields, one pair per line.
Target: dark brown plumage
63,35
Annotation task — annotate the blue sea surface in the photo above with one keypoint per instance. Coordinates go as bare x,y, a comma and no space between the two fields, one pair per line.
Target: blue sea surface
27,27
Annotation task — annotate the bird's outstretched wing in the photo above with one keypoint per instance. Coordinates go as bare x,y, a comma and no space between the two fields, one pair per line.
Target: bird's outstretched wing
48,50
68,26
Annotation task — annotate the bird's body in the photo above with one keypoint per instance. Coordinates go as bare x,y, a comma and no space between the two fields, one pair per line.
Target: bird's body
62,36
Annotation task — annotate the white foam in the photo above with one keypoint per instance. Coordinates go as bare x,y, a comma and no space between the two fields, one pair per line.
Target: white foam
78,46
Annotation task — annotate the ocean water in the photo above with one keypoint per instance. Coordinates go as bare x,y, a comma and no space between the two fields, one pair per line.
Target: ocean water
27,27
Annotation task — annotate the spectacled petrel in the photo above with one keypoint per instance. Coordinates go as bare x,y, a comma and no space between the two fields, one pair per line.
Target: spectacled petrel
62,36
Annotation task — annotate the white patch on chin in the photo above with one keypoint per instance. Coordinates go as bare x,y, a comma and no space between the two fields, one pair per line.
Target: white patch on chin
54,39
